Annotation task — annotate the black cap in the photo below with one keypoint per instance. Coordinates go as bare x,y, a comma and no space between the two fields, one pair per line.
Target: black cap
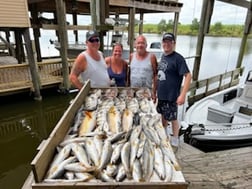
91,34
169,36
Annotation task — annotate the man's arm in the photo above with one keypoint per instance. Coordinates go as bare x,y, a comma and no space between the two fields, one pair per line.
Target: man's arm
186,86
78,67
154,68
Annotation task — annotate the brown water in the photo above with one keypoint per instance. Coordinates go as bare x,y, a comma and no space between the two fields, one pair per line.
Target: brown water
24,123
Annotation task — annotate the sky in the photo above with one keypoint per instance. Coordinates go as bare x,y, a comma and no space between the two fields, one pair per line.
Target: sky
223,12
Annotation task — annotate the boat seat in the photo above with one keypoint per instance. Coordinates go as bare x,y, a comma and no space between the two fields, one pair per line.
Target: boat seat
220,114
242,118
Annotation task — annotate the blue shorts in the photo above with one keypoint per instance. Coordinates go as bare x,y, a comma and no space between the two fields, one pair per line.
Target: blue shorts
167,109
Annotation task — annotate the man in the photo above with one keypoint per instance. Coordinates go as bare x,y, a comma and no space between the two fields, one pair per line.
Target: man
143,67
172,69
90,64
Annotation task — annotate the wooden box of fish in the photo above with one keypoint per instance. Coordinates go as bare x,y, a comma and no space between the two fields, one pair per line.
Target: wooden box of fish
108,138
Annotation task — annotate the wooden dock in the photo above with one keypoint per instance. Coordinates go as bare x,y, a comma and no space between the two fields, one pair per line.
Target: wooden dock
227,169
16,78
216,170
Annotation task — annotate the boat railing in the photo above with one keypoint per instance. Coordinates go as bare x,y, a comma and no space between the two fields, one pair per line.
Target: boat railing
202,88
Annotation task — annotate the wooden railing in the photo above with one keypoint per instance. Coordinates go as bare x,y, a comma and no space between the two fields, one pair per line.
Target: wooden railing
17,77
202,88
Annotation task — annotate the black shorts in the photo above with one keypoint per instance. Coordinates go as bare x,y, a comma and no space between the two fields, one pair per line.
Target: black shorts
168,109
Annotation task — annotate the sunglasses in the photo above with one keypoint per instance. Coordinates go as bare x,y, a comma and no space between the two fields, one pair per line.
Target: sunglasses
92,40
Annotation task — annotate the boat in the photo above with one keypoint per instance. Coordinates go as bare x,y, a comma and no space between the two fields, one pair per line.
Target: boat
222,120
75,48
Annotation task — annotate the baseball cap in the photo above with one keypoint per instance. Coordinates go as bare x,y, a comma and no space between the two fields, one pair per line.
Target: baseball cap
169,36
91,34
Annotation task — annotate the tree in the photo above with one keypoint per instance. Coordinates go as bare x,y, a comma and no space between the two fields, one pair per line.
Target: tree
195,25
217,28
162,26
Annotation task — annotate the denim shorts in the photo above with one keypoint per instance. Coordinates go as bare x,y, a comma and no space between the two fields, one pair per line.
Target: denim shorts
168,109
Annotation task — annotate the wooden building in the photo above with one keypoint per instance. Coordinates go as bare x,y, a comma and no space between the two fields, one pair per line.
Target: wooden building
14,16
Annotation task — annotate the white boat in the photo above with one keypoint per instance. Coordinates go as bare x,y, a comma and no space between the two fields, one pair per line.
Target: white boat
222,120
75,48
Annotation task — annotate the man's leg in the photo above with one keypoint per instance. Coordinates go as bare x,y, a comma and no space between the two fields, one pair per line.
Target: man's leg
175,137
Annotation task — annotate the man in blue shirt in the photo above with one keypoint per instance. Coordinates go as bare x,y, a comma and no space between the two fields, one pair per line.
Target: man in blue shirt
172,69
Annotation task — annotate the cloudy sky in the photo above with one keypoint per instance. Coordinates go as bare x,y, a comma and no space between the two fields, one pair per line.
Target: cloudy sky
223,12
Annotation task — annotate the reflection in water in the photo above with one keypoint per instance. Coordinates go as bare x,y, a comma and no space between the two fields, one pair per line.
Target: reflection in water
24,123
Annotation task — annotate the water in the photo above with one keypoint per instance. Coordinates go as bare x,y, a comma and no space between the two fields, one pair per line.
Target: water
24,123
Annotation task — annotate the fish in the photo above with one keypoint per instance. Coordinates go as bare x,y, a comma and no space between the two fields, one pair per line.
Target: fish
148,160
159,163
72,140
135,132
84,176
81,154
111,170
169,169
114,120
127,119
56,171
91,102
132,104
121,174
88,123
98,140
160,130
125,158
69,175
78,167
106,178
167,151
78,119
151,134
141,145
116,153
92,151
144,105
133,152
106,154
137,172
61,155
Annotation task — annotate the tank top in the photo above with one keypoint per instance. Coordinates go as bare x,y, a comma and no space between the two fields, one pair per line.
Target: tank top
141,72
96,71
119,78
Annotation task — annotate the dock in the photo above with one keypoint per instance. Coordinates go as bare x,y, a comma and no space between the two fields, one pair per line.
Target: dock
213,170
216,170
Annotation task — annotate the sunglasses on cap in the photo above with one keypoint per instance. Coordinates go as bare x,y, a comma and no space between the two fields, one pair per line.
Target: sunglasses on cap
92,40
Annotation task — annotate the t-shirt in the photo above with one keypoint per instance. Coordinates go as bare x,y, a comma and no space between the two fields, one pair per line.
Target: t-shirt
171,70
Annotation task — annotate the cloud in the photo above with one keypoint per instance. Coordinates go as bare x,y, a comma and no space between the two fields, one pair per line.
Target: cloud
223,12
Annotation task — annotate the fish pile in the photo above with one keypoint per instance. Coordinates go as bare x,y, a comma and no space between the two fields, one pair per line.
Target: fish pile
116,136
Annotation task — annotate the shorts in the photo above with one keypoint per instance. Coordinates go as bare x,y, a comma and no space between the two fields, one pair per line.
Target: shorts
168,110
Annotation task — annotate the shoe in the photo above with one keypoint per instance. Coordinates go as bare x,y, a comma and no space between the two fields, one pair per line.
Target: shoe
174,143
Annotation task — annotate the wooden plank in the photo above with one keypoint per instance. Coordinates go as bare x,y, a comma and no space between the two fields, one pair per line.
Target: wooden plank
42,160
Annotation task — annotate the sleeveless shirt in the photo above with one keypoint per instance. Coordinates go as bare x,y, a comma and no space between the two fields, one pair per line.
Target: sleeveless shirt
96,71
119,78
141,72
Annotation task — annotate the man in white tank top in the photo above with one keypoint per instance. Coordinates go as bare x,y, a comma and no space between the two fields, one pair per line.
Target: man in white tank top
90,64
143,67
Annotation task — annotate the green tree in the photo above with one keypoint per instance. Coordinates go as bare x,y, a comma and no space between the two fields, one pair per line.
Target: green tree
195,25
217,28
169,26
162,26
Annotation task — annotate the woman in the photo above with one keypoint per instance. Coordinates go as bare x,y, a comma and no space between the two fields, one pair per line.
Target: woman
117,67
